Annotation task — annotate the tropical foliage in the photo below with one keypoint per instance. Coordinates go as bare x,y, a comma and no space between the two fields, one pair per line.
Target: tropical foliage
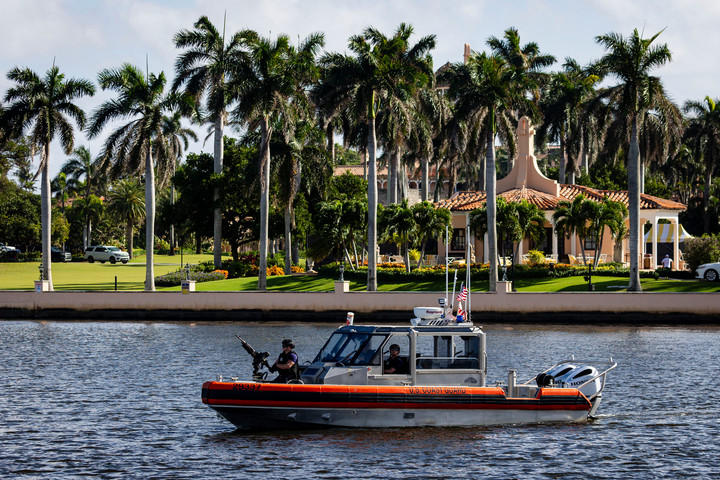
607,125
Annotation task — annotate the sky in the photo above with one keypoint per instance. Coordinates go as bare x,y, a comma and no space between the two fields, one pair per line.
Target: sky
85,36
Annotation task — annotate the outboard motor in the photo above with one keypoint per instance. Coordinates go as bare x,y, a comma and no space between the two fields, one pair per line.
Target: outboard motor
559,372
580,375
544,380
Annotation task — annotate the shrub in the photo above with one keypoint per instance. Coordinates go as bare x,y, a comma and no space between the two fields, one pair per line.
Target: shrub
414,255
175,278
161,246
296,269
705,249
535,257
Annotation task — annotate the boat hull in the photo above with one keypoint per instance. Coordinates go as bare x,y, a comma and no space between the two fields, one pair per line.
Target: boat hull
250,405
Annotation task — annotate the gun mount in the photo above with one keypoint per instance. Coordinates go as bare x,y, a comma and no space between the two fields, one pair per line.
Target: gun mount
259,359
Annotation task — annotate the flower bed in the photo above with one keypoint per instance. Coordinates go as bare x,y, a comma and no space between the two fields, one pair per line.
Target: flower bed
175,278
396,272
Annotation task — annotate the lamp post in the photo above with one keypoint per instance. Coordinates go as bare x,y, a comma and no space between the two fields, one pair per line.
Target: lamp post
341,269
187,271
512,271
42,276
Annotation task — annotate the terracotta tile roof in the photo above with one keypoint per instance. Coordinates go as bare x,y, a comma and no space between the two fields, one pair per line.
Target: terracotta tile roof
647,202
466,201
545,201
463,201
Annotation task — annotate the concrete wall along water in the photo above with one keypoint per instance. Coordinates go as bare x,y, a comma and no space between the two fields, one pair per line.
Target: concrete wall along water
369,307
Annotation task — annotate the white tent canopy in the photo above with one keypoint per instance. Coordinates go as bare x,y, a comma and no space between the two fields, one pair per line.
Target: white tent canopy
666,234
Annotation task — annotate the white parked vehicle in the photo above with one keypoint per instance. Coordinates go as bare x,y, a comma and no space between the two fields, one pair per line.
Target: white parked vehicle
106,253
7,250
709,271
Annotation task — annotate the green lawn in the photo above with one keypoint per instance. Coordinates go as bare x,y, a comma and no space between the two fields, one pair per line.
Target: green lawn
98,276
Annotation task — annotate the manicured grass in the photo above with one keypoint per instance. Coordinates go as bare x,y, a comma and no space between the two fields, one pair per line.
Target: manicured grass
81,276
95,276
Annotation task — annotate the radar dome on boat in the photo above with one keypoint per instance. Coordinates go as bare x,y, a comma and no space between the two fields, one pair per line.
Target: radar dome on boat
428,312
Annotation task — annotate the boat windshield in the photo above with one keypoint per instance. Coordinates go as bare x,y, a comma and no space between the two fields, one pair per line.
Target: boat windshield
355,348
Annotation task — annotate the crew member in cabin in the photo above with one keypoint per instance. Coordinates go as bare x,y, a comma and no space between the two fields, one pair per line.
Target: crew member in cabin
395,363
287,363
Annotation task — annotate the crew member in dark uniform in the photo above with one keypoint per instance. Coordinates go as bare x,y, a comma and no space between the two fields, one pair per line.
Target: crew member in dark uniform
287,363
395,363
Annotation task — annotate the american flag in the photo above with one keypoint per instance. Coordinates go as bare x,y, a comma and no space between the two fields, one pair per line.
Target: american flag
462,296
461,312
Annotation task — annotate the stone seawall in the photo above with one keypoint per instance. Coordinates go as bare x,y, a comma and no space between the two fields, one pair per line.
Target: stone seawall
504,306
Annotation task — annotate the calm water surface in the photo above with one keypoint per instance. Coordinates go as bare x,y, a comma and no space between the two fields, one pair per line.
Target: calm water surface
122,400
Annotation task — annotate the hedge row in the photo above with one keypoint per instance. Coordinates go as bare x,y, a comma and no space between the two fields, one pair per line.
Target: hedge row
397,273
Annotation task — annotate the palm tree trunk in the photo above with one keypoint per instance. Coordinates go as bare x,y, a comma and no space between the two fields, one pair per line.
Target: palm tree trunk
372,207
634,208
46,220
562,160
264,200
288,241
217,213
425,179
129,237
706,200
150,221
490,183
330,133
172,225
393,169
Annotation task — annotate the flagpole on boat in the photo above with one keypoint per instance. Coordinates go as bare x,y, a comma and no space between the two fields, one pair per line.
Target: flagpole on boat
447,264
468,259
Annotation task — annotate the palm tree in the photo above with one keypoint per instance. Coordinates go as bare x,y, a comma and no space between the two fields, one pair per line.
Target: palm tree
574,218
631,60
399,222
507,225
607,216
76,167
138,146
531,223
126,201
303,153
563,112
526,62
44,108
703,134
205,68
430,223
62,188
381,69
485,93
177,139
278,72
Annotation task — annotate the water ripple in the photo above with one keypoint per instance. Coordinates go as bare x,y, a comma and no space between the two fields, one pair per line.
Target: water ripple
122,400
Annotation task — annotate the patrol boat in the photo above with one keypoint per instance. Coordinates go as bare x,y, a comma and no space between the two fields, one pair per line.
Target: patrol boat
444,383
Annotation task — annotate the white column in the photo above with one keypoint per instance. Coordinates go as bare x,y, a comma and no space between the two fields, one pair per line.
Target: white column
554,241
521,252
485,249
573,244
654,258
641,244
676,246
